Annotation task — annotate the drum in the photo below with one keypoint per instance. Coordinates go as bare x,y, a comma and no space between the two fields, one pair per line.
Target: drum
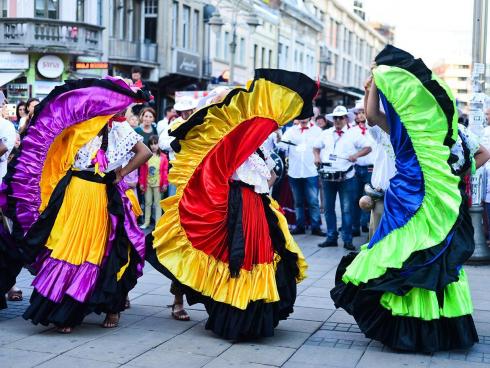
279,168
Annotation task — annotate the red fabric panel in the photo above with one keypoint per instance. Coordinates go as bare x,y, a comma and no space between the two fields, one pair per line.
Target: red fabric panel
204,204
258,244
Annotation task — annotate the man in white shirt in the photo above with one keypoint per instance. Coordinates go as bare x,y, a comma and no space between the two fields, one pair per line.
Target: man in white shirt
162,125
336,151
298,142
364,169
7,142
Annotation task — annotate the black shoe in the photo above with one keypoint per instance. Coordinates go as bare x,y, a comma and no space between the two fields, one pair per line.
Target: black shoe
328,243
317,232
356,233
365,229
349,246
298,231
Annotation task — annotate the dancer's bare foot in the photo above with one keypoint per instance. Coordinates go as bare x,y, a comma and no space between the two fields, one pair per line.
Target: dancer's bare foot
111,320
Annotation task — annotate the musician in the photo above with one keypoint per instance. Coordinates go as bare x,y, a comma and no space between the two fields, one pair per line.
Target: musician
298,142
336,151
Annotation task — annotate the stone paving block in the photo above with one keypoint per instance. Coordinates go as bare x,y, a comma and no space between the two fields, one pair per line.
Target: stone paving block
18,328
311,314
376,359
14,358
299,326
152,300
53,342
286,339
197,341
325,356
196,315
483,328
341,316
481,315
222,363
322,292
144,310
446,363
261,354
74,362
162,325
125,320
302,365
165,358
120,346
315,302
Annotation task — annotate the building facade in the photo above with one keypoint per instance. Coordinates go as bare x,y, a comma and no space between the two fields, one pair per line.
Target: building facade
457,75
42,40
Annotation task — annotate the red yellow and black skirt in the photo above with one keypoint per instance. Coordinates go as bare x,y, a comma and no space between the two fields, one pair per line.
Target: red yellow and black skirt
225,245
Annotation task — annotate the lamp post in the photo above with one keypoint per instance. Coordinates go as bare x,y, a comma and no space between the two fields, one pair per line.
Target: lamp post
476,124
216,22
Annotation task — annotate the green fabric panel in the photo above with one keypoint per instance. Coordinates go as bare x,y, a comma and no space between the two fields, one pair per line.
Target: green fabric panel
423,304
422,117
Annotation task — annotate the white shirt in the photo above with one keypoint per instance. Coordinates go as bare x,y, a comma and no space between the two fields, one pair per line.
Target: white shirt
7,137
336,149
271,141
165,139
121,140
301,158
162,125
369,158
256,172
384,158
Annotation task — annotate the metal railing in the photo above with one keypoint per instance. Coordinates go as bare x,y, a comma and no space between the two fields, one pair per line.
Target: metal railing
132,51
50,35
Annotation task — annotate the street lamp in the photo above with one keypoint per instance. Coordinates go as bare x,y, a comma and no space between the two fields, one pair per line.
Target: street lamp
216,22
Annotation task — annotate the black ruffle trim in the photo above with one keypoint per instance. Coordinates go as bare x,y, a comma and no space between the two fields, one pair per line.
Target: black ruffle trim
402,333
393,56
298,82
259,318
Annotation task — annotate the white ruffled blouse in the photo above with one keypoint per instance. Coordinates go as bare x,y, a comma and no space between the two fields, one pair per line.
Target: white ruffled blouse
121,140
256,172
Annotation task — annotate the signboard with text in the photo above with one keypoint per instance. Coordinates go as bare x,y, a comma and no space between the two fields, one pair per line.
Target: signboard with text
91,65
186,63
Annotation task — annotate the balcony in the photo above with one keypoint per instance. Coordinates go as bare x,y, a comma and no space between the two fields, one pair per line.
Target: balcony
129,52
49,35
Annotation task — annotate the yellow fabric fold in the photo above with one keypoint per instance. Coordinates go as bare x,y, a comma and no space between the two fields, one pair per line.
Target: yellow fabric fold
175,252
62,152
135,205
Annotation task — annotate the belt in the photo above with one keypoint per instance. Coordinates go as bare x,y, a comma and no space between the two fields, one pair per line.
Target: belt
93,177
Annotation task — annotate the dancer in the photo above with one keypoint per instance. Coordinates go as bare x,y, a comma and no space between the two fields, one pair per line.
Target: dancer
406,287
222,238
72,213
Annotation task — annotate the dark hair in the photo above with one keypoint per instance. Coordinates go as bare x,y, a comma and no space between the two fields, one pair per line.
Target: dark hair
150,110
168,109
31,100
153,140
136,69
21,103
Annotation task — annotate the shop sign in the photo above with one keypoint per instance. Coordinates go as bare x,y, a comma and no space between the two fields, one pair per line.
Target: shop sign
50,66
187,64
91,65
9,60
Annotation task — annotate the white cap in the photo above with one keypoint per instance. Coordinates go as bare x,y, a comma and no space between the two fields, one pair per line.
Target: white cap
185,103
359,106
340,111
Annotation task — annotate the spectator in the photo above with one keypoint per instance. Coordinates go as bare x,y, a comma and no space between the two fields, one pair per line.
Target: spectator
303,176
336,150
322,122
147,126
20,112
24,122
163,124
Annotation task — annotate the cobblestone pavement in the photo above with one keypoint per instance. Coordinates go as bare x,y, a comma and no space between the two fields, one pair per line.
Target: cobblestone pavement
316,335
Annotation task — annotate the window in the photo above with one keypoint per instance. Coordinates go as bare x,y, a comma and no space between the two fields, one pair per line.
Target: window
151,13
112,17
263,57
46,9
175,24
255,56
462,79
218,44
186,24
121,16
226,45
195,31
80,10
242,50
131,21
99,12
3,8
270,58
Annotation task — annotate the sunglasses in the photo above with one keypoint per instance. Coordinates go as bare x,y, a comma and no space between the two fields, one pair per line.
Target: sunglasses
338,117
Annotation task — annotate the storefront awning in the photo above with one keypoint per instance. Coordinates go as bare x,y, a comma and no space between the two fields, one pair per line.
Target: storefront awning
6,77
